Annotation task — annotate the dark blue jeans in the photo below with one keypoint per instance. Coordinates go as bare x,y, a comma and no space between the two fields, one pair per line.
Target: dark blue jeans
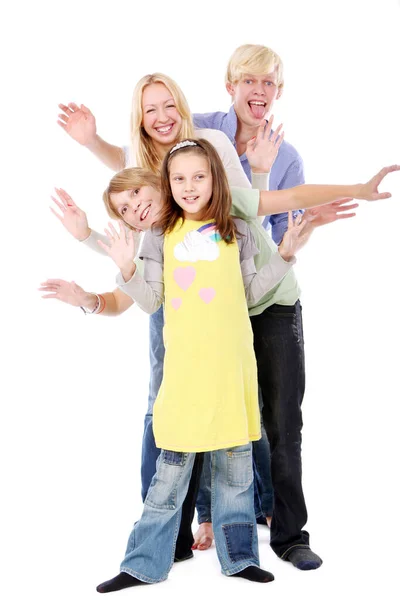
279,348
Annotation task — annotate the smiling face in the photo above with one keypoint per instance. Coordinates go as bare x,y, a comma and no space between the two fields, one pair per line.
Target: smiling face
161,119
191,184
138,207
253,97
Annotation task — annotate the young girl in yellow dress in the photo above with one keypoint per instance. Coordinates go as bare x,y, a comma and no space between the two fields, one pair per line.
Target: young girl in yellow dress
199,262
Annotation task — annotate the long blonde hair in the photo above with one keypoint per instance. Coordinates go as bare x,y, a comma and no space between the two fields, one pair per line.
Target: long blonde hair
143,147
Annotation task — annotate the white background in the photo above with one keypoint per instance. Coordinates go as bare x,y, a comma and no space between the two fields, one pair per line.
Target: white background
74,388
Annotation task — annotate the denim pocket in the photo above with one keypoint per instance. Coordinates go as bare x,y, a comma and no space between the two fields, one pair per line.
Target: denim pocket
164,485
282,310
173,458
240,468
288,315
239,541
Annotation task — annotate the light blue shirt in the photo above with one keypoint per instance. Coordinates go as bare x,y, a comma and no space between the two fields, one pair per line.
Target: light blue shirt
287,170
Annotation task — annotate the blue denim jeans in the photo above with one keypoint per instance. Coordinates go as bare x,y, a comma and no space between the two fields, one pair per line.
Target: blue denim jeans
151,545
150,452
263,491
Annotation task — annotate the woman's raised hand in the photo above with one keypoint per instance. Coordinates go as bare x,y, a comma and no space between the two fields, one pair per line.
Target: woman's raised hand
78,122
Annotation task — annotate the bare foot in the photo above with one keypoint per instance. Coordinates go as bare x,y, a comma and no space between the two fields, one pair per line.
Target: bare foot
269,521
203,538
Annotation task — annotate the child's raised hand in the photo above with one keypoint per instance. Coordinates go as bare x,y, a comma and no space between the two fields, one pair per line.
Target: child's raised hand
67,291
369,190
121,248
72,217
262,150
78,122
296,236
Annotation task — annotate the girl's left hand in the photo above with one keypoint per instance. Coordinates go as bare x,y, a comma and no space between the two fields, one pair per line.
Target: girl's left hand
121,249
262,149
296,236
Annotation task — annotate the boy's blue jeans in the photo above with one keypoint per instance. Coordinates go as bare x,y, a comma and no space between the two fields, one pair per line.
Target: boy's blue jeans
151,546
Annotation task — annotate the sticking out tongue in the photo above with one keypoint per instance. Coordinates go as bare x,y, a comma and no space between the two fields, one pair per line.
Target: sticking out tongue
257,110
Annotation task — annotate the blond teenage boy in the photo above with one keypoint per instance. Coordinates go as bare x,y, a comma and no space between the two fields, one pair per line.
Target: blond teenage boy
254,80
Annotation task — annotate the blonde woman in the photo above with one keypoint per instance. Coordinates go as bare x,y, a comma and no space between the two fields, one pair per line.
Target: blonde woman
160,118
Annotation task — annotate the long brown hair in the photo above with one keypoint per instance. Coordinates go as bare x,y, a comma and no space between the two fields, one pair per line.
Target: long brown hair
220,202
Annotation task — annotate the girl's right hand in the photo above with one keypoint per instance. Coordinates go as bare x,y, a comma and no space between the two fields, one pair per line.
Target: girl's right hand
121,249
72,217
69,292
296,236
78,122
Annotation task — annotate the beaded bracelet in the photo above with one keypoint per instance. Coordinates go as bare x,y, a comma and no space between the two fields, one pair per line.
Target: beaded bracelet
96,307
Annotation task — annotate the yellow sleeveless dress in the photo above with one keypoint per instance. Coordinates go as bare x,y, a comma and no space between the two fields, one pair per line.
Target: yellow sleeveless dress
208,398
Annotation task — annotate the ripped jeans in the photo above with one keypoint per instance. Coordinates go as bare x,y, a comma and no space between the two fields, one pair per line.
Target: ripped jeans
151,545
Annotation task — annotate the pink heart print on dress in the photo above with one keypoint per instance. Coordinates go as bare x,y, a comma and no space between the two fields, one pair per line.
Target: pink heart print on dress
207,294
176,302
184,276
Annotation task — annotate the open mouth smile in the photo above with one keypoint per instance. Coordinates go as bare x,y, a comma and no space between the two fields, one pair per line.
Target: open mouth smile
191,199
145,212
165,129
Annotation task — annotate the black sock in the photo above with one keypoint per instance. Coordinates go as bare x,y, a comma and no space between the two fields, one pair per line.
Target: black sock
304,559
255,574
120,582
184,556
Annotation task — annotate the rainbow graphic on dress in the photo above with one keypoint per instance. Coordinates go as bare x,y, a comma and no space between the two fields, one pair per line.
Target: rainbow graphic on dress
210,231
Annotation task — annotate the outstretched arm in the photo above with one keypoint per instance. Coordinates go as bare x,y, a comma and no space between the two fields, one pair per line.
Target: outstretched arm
80,124
111,303
261,152
75,221
309,195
